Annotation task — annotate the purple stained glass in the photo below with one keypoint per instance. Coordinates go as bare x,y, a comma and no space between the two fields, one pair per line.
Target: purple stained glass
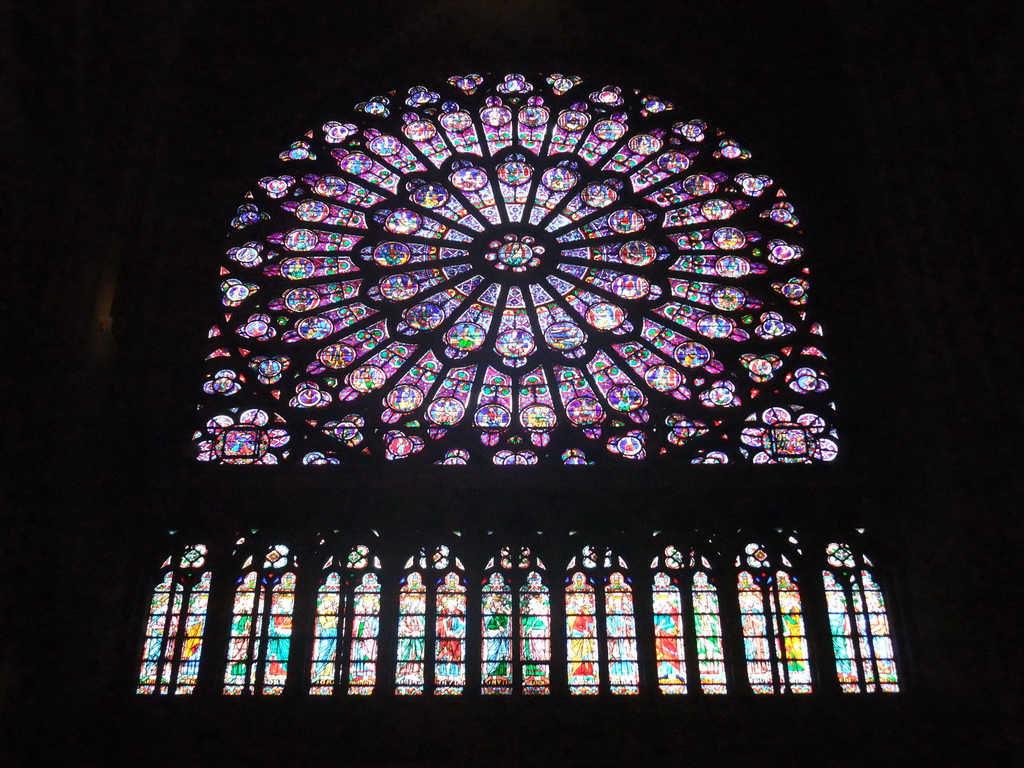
580,267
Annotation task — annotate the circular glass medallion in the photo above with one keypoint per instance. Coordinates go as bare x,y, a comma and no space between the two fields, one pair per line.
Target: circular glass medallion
366,378
445,411
391,254
465,336
538,417
515,343
492,417
638,253
405,398
626,398
584,411
425,316
605,316
564,336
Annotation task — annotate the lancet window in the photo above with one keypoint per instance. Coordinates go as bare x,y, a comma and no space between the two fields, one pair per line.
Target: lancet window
261,626
516,625
432,607
173,643
347,625
774,634
859,623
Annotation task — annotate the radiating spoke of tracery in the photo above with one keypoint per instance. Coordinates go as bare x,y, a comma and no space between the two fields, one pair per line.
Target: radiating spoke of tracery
515,269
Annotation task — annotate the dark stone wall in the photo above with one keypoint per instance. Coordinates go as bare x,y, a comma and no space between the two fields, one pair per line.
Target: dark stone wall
129,138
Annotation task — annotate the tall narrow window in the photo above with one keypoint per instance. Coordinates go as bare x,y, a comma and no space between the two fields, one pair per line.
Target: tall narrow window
535,634
448,608
174,630
861,639
623,669
261,628
450,638
708,623
516,635
347,623
412,623
496,657
362,674
581,635
774,638
584,626
668,635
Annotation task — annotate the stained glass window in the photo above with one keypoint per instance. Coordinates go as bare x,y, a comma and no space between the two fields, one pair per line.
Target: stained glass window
515,269
496,655
582,616
710,649
261,626
516,636
174,631
449,625
623,667
861,639
668,635
581,635
412,609
774,637
347,626
686,616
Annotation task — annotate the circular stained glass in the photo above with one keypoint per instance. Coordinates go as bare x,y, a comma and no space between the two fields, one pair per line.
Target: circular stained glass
559,270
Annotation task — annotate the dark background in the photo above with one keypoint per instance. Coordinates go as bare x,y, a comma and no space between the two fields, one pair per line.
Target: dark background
130,136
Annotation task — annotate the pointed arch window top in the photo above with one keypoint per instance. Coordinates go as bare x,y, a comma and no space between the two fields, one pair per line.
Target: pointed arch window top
515,269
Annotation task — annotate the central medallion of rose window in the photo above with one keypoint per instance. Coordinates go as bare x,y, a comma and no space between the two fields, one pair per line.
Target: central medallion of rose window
515,253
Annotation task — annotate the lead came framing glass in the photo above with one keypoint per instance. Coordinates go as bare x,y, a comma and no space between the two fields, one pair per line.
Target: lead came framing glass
535,635
450,637
623,669
362,675
708,627
173,647
330,623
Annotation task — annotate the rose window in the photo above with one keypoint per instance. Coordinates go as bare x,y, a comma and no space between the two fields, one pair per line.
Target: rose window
515,270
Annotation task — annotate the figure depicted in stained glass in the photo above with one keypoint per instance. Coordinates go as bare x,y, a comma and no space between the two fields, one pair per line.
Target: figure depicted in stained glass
496,655
535,634
581,635
412,609
346,627
365,629
708,628
668,635
623,670
450,647
529,262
